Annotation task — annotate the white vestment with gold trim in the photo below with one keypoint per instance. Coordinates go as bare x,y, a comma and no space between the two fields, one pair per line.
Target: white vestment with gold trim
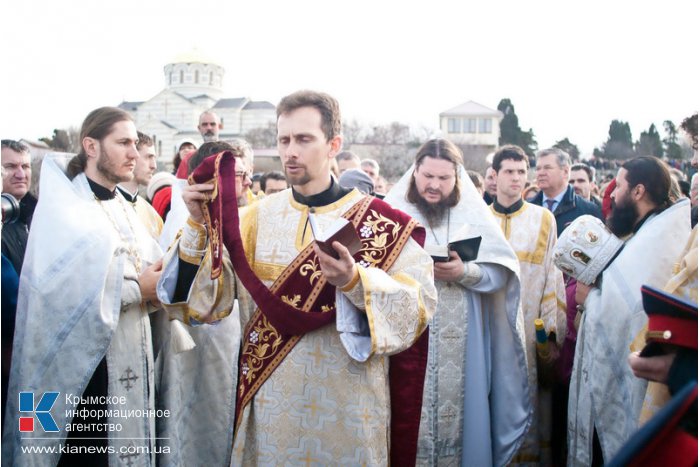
328,401
532,232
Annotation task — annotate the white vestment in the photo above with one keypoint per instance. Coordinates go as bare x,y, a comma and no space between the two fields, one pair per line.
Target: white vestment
328,400
604,393
476,404
79,302
532,232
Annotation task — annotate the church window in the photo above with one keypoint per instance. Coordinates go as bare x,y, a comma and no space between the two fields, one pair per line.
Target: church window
182,76
196,77
484,125
211,77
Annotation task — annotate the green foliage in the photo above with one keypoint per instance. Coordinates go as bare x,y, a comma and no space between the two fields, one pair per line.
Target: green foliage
569,147
511,133
649,143
672,149
619,143
64,140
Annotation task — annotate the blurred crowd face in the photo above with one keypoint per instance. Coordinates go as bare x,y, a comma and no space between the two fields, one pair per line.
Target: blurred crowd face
274,186
551,178
16,172
490,185
145,165
209,126
582,186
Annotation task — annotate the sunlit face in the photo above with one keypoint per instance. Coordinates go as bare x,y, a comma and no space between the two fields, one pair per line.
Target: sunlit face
117,154
490,181
209,126
435,179
694,191
550,176
17,172
274,186
582,186
380,186
304,151
145,165
511,179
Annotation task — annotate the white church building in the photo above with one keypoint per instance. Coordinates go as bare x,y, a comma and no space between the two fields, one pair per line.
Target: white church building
193,84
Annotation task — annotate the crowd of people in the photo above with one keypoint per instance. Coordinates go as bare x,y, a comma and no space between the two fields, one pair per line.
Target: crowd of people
190,317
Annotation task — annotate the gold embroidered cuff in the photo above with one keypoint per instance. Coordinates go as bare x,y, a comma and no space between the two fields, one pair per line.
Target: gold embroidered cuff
193,242
353,282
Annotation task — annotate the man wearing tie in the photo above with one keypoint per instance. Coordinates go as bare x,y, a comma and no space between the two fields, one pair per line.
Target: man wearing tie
553,167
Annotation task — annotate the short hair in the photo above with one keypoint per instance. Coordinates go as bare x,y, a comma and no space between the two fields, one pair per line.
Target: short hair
477,179
98,124
16,146
209,112
438,148
273,175
690,126
208,149
586,168
509,151
144,140
371,162
347,156
653,174
324,103
243,147
562,157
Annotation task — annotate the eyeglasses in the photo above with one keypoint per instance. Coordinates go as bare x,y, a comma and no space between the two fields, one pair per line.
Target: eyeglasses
242,174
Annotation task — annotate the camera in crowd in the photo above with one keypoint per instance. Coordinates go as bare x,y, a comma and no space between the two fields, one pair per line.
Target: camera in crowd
10,209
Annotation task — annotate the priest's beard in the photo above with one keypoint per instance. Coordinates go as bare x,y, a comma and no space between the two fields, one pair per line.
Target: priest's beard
108,167
433,213
623,218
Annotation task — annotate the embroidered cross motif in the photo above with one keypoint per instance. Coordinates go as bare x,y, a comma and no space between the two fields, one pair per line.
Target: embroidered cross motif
127,378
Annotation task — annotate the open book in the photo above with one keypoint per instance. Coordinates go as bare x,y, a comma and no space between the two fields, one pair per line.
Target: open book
341,230
467,249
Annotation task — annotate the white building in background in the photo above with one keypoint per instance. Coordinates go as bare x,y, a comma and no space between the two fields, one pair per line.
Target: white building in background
475,128
193,84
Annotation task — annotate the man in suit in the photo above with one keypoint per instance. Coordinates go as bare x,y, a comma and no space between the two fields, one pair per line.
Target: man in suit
553,170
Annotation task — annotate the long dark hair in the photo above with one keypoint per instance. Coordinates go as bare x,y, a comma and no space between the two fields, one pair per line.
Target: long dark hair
98,124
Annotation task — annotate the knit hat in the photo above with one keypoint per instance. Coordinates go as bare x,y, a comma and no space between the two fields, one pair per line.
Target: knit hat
356,178
158,181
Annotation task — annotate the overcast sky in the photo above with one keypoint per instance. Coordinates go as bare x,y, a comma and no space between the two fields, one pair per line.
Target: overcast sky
569,69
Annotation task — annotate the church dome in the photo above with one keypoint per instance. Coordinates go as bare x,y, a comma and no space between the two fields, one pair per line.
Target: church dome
193,74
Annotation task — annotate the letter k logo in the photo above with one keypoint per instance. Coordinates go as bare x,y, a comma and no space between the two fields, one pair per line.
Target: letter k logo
26,404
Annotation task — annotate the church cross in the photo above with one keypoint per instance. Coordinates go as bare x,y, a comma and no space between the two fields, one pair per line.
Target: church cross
127,378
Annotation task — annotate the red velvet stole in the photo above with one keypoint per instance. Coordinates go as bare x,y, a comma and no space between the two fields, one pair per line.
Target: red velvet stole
301,300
